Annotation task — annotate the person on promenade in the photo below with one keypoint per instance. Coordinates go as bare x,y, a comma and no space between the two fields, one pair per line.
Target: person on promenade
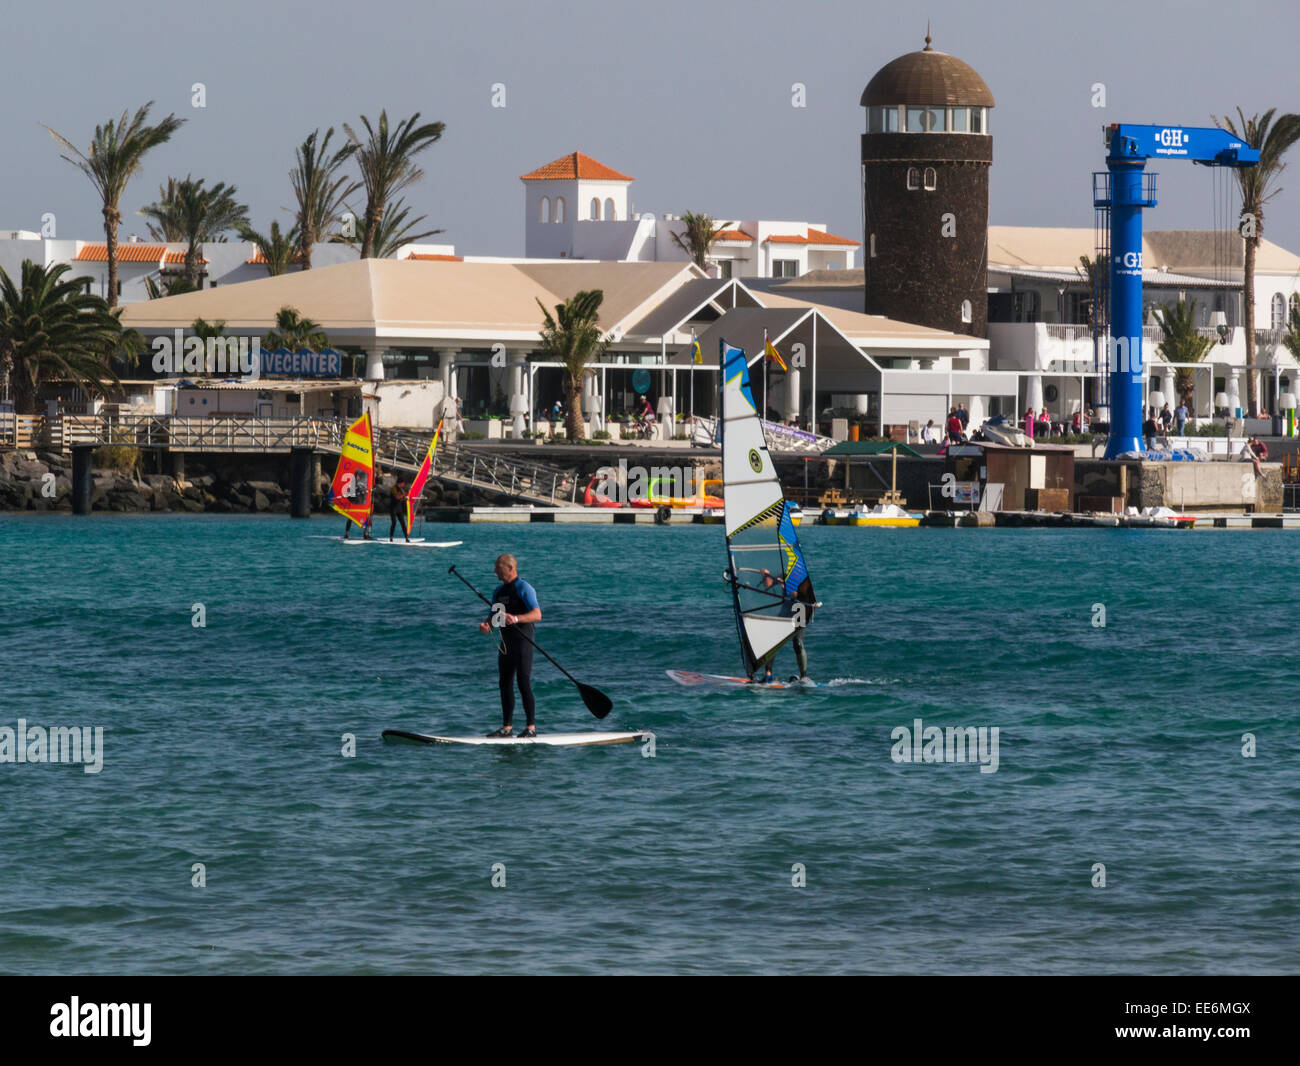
515,610
769,582
397,510
1180,417
964,415
1029,423
1044,423
1167,419
953,427
1255,451
929,433
1150,429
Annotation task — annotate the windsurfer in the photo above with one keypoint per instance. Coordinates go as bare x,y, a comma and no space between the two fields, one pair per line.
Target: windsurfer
397,510
514,611
771,583
358,494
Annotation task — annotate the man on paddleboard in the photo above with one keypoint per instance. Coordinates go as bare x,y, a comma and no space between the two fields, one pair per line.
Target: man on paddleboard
397,510
771,583
514,611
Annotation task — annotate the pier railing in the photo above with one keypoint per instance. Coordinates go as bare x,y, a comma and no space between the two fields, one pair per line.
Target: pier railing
520,479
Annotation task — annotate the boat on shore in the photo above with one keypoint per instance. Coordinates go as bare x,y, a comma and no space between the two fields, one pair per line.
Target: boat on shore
885,515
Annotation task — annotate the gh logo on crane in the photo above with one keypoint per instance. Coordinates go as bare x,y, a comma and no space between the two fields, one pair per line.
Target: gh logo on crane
1172,137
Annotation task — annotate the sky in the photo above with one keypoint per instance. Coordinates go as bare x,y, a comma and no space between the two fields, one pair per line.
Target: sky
692,99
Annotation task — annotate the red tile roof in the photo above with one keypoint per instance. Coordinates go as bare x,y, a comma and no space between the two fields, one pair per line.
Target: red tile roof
814,236
430,257
179,257
258,259
733,235
127,252
572,166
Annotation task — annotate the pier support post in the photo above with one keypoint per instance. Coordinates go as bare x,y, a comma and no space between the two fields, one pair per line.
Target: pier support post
300,465
83,485
178,465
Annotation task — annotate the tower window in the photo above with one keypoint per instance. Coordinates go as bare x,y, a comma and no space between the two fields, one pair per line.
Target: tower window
595,209
960,119
926,119
978,120
559,209
913,178
931,179
965,311
1279,311
610,214
544,210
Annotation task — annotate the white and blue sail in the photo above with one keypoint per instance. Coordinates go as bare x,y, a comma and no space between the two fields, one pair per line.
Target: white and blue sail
760,533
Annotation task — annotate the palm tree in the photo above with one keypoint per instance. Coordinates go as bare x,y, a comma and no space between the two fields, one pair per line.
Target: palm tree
278,249
1087,270
51,327
115,154
394,232
1291,338
1182,343
168,229
292,331
1272,139
171,285
387,164
198,215
204,330
573,337
698,237
319,189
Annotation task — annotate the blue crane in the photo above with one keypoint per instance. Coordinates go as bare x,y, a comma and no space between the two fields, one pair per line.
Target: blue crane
1130,190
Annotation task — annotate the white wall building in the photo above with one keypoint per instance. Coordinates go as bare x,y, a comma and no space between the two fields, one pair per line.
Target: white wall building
576,207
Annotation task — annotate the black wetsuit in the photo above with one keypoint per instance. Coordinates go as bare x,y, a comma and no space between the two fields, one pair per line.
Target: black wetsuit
515,663
397,513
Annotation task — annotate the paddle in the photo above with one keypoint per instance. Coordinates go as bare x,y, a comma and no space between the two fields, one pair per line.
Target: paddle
597,702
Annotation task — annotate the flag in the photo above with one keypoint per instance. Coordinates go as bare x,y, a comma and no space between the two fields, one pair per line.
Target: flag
697,356
773,355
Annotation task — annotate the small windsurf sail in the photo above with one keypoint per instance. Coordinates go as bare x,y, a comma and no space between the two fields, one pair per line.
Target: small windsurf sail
771,589
416,491
354,480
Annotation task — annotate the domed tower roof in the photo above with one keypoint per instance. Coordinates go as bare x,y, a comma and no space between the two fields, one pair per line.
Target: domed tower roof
927,79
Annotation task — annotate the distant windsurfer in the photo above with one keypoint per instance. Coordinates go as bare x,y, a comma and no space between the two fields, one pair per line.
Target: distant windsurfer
397,510
514,612
358,486
771,583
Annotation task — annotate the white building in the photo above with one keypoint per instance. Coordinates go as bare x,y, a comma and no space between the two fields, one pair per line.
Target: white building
576,207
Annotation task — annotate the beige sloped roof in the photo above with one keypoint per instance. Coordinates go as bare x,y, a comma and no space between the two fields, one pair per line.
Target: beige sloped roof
369,299
877,328
1187,251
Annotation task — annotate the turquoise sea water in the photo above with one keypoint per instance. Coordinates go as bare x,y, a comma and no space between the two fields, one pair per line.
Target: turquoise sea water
1118,745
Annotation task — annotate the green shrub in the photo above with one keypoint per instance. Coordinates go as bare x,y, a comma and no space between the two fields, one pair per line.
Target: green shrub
473,434
119,457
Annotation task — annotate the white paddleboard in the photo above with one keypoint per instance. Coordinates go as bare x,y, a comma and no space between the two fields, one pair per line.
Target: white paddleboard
554,740
692,679
420,542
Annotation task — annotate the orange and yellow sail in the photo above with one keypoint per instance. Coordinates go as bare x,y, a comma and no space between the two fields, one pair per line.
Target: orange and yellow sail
421,476
354,480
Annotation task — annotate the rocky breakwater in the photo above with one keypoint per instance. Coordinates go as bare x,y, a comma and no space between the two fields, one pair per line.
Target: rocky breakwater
42,481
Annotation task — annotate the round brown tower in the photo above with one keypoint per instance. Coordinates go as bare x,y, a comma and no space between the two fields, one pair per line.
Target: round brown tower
925,181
